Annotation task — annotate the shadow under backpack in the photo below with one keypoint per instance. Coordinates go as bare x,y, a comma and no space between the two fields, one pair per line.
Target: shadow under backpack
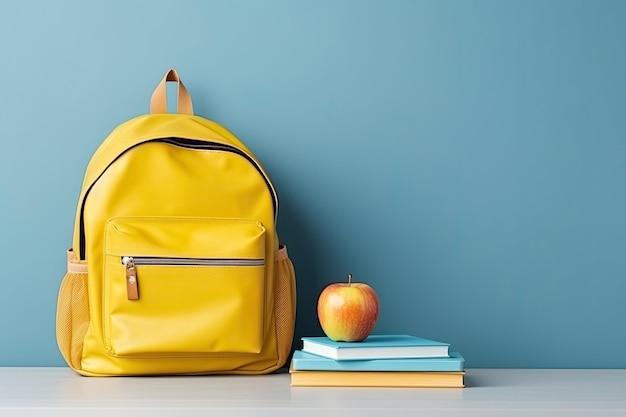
175,266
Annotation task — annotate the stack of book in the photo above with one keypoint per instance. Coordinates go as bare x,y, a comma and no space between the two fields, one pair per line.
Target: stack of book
378,361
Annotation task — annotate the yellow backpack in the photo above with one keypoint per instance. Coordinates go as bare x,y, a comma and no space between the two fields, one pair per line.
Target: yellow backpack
176,266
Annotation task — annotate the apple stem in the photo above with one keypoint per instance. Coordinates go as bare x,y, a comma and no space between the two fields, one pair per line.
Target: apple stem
349,280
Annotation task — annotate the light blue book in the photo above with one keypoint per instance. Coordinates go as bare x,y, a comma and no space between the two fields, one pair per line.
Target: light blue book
376,347
303,361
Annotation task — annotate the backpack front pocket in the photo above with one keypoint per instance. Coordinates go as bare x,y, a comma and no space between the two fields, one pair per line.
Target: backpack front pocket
183,286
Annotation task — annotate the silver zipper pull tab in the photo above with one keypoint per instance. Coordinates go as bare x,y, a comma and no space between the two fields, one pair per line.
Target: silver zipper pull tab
131,278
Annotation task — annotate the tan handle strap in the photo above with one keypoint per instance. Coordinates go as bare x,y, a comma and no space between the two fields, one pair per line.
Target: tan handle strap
158,102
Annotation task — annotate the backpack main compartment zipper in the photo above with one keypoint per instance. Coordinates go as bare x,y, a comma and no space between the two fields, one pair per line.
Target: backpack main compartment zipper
183,143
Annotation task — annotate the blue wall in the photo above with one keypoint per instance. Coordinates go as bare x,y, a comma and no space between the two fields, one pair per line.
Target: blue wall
465,158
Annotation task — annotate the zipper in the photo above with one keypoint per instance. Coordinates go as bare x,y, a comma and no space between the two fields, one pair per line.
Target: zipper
183,143
131,262
216,146
132,289
161,261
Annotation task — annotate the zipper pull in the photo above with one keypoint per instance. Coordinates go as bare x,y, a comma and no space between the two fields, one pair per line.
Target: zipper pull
132,287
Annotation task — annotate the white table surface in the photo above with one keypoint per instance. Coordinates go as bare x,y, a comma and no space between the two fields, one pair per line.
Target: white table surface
489,392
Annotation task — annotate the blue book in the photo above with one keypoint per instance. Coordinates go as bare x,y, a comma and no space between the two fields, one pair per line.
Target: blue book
376,347
303,361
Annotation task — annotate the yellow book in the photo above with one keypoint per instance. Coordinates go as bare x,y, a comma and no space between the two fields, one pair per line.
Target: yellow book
398,379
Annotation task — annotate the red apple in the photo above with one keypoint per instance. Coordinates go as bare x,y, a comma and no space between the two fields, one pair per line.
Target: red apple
348,311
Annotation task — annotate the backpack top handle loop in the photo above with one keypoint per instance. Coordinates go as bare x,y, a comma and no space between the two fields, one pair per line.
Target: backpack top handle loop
158,102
